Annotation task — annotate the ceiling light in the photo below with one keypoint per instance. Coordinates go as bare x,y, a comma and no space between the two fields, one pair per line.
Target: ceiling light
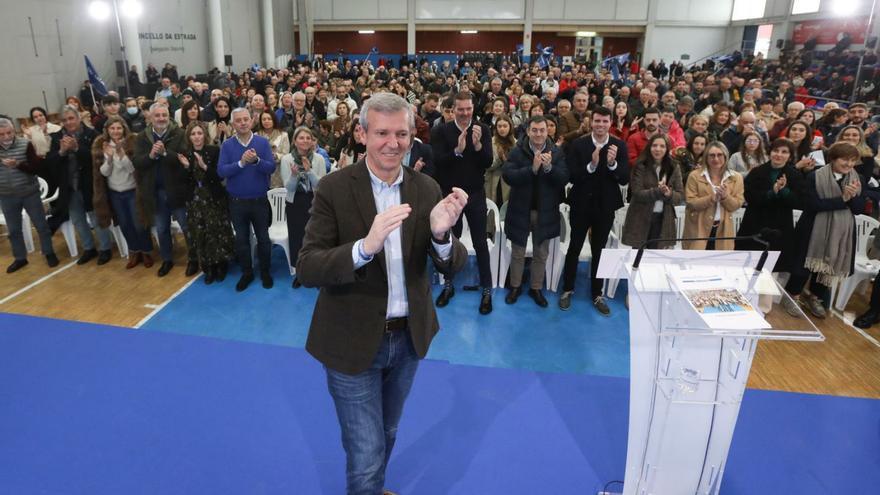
469,31
99,10
366,31
586,34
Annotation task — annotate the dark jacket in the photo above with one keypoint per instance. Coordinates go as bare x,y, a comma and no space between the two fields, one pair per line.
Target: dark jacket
174,176
812,205
426,153
348,321
645,189
466,171
598,191
58,173
136,123
210,154
517,171
766,209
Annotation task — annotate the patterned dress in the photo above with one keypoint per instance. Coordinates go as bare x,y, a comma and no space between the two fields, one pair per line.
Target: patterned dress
208,211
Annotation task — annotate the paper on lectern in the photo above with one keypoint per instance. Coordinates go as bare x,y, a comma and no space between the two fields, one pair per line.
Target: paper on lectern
717,301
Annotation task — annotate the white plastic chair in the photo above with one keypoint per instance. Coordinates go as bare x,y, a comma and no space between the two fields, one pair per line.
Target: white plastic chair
615,242
556,260
278,228
865,269
737,218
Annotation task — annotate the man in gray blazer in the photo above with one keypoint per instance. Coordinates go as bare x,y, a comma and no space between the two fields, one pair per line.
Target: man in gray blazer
373,227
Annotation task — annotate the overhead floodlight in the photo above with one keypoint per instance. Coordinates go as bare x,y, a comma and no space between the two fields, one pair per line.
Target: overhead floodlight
469,31
99,10
586,34
131,8
366,31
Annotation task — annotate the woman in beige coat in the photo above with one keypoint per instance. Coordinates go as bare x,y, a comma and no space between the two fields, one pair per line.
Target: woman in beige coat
712,194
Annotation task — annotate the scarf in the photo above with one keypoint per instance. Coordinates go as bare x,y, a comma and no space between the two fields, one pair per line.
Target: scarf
830,250
303,184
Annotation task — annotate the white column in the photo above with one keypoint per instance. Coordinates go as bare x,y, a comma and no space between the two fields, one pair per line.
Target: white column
649,44
132,44
268,33
411,27
215,35
527,30
304,21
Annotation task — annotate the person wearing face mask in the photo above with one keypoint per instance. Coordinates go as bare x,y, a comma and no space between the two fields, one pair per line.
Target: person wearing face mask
163,184
772,190
825,235
115,190
19,190
133,116
70,167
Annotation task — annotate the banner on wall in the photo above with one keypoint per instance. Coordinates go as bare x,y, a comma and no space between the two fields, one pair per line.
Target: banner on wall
830,31
167,41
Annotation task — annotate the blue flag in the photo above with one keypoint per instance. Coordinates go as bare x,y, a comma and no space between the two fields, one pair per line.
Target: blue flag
98,85
615,63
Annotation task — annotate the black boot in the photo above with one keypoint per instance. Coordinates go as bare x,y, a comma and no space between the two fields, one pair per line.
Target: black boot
87,256
486,302
192,267
267,280
104,257
221,269
445,295
209,274
246,278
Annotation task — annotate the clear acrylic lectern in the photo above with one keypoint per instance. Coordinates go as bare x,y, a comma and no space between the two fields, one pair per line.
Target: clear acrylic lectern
691,352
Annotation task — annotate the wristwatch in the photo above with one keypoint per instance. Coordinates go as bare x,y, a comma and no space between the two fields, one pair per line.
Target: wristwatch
444,240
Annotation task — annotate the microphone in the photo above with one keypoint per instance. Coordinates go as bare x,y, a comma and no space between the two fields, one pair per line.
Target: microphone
764,237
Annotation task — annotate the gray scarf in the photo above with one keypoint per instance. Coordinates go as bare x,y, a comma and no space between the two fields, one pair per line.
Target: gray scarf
830,251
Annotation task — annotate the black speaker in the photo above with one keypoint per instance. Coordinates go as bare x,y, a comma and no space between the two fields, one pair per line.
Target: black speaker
871,43
780,43
227,59
811,44
120,68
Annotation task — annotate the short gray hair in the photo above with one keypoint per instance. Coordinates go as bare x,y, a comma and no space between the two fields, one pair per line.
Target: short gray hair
156,105
70,109
239,110
387,103
4,122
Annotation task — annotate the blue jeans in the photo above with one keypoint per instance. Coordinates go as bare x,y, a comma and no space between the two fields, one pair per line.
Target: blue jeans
247,213
81,220
33,205
162,219
137,237
369,406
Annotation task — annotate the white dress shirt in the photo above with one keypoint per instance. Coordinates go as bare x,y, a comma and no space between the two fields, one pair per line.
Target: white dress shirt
387,196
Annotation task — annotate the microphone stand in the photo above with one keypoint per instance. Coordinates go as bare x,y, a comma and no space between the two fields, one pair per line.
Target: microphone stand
757,238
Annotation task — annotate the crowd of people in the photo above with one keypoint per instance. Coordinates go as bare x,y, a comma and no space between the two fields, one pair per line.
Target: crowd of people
204,154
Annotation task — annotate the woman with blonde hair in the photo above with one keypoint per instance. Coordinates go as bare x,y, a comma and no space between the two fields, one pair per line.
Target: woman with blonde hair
301,169
713,192
115,195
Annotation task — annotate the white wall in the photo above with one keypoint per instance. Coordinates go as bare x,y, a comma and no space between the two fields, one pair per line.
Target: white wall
670,42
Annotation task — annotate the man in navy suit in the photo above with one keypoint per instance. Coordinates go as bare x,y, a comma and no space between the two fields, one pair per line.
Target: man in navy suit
598,165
